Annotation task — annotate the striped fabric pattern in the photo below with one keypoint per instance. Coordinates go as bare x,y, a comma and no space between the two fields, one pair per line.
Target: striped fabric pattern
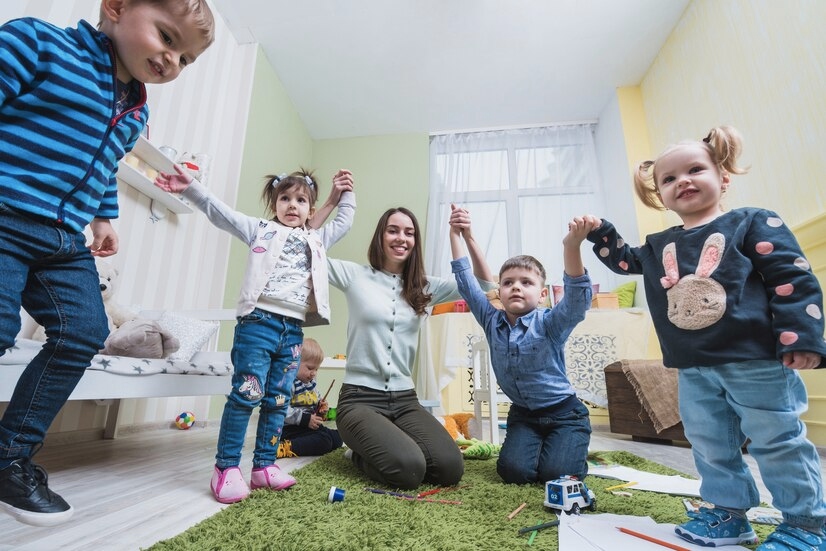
60,140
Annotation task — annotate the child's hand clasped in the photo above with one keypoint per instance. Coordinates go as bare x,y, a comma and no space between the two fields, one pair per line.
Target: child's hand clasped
342,181
580,227
459,219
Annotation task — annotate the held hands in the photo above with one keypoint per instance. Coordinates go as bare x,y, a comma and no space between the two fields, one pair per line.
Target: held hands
579,228
459,221
342,181
174,183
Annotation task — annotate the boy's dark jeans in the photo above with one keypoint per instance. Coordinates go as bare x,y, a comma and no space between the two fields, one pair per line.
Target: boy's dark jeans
51,273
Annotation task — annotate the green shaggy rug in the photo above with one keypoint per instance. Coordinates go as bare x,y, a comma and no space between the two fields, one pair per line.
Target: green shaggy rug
302,519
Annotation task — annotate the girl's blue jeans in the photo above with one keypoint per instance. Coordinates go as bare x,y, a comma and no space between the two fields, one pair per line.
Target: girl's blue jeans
265,355
50,272
723,405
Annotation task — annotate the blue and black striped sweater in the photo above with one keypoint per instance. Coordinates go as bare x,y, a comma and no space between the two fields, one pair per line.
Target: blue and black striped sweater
60,140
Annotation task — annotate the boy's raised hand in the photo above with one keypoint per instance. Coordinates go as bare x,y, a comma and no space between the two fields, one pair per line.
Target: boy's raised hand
174,183
459,220
579,228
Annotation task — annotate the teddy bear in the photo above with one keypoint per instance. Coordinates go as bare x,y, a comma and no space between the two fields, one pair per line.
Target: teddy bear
458,424
117,313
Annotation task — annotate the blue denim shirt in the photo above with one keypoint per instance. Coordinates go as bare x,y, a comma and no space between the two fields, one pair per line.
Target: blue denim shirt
528,358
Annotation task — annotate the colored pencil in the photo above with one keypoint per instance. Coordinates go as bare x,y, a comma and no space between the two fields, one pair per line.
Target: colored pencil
516,511
411,497
652,539
539,526
318,405
533,536
623,485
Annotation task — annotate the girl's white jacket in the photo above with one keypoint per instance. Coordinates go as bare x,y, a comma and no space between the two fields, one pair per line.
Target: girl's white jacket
265,239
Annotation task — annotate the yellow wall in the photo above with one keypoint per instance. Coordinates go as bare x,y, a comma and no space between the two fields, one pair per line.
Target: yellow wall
758,66
812,237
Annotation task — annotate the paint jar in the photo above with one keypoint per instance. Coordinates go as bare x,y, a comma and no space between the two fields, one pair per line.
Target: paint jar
331,414
336,494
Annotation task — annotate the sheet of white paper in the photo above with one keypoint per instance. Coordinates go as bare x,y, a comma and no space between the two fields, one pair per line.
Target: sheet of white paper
674,485
599,533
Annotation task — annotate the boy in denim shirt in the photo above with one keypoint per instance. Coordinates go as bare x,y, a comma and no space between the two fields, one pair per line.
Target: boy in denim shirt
72,103
548,427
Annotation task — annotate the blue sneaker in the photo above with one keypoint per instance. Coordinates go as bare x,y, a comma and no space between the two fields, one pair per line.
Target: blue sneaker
716,527
789,538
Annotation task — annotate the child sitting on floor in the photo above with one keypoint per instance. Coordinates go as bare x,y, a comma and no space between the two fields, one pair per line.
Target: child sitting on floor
304,432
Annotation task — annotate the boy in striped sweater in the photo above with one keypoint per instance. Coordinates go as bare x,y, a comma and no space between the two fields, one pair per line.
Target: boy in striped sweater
72,103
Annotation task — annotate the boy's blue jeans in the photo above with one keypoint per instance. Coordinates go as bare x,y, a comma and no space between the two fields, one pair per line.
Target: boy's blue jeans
51,273
540,447
721,406
265,354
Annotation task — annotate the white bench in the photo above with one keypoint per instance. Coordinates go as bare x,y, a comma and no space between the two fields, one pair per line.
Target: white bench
106,387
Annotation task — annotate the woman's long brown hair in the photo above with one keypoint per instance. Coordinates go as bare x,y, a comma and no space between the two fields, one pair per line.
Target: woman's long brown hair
414,279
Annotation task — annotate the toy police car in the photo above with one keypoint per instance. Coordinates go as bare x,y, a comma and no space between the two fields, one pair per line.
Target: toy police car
570,495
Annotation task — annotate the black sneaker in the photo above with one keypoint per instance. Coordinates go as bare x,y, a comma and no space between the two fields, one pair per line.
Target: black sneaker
25,495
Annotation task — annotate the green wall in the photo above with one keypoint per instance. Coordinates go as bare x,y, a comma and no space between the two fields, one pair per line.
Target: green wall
276,141
388,171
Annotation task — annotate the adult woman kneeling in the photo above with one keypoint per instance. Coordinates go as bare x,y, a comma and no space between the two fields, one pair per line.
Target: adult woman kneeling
393,439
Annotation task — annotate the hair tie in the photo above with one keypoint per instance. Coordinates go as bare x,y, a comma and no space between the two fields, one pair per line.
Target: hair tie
277,179
309,180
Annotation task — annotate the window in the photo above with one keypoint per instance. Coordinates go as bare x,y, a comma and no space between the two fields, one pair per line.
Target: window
522,187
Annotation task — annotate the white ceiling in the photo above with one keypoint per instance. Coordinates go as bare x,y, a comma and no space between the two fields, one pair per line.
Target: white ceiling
373,67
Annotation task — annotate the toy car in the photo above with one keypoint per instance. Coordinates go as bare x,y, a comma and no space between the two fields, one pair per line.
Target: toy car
570,495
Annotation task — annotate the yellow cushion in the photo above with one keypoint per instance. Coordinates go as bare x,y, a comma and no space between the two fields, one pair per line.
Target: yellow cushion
625,293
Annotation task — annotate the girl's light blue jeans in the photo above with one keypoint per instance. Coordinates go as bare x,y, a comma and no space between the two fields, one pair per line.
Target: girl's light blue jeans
265,355
50,272
723,405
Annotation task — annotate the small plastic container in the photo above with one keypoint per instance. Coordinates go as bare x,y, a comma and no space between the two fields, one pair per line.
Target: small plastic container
336,494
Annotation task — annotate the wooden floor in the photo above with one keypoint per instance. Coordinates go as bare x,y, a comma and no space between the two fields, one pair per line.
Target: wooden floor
144,487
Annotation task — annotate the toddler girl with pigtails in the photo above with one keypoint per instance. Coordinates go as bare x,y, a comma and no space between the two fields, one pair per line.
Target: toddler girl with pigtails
284,288
738,312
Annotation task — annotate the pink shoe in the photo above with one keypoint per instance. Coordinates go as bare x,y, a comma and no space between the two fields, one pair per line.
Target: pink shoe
271,477
229,486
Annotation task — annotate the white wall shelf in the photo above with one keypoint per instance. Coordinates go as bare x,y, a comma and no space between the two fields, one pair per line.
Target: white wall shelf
135,178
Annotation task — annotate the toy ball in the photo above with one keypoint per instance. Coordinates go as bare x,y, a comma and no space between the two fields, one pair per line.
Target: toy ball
185,420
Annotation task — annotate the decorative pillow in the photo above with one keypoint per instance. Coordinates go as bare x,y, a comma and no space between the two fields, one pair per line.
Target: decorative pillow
192,333
625,293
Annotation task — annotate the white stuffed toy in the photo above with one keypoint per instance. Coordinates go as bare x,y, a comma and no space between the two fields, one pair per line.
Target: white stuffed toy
117,313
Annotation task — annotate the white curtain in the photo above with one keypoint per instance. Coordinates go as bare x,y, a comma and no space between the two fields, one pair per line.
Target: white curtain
522,187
